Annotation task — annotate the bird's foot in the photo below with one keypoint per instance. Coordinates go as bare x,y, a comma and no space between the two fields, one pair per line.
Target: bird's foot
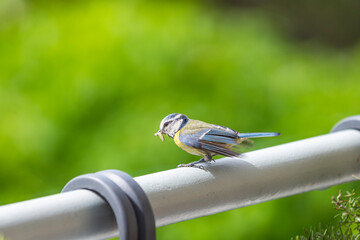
193,164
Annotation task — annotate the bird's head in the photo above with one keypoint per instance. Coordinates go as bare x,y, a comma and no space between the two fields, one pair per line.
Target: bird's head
171,124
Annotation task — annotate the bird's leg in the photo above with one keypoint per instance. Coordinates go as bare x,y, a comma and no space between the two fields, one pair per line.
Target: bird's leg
206,158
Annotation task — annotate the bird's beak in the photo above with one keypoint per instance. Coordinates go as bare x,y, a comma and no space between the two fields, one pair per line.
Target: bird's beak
160,134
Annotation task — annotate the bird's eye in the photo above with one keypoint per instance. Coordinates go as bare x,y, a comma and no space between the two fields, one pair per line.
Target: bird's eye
165,124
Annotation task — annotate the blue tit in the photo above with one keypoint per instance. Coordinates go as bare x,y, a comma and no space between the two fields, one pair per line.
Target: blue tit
204,139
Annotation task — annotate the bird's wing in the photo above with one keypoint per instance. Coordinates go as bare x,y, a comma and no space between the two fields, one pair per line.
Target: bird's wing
209,138
219,149
219,135
220,140
191,137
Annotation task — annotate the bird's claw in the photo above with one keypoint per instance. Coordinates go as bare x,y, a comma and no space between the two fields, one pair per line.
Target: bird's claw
190,165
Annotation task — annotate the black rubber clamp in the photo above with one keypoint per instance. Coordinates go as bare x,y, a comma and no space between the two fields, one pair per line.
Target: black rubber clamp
131,207
352,122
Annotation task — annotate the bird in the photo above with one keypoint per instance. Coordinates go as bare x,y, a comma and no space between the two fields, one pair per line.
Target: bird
204,139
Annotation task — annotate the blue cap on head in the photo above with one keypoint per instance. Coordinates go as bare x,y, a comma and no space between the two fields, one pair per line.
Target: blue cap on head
170,116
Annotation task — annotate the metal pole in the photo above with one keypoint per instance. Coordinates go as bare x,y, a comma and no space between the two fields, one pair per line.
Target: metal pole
79,214
185,193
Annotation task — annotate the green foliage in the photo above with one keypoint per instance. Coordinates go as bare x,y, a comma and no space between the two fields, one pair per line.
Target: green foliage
348,227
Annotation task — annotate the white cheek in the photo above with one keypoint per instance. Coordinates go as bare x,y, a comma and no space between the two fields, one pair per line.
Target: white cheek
173,128
177,125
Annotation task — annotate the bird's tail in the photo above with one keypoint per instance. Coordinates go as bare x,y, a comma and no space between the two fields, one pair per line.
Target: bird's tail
256,135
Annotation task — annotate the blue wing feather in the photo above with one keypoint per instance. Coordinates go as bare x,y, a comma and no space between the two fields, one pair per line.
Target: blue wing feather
224,135
220,139
225,132
256,135
208,143
192,140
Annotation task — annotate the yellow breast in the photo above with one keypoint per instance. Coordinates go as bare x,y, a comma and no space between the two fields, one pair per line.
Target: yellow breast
185,147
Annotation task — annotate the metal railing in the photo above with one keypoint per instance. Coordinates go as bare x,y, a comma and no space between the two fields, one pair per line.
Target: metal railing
185,193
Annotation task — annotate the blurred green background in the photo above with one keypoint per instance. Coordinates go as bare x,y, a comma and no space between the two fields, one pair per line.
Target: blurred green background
85,84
